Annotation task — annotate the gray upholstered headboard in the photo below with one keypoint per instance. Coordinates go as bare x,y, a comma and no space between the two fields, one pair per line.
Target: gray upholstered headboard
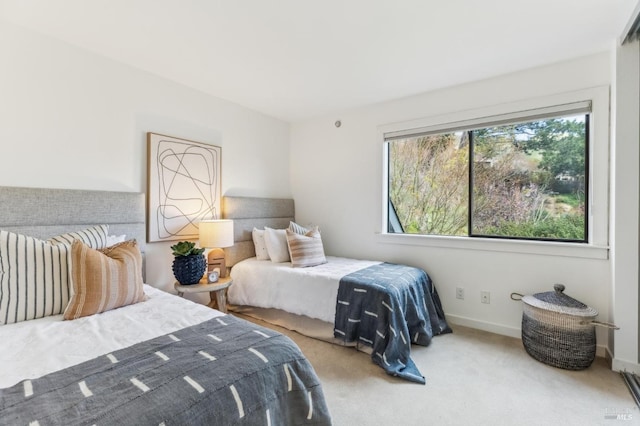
43,213
250,212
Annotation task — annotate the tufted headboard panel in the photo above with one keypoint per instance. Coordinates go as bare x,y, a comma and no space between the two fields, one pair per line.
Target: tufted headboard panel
250,212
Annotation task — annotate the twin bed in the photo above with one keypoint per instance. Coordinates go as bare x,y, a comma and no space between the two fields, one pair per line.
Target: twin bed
159,359
379,308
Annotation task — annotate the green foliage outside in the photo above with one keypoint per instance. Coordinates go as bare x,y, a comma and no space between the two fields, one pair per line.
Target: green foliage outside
528,181
564,228
574,200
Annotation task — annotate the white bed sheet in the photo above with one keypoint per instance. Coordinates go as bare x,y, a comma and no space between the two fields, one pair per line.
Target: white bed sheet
303,291
31,349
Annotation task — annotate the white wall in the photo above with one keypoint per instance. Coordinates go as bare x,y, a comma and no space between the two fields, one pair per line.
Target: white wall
336,176
626,206
72,119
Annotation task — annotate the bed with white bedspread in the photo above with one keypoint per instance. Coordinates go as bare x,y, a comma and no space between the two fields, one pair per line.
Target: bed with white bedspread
378,307
155,359
311,292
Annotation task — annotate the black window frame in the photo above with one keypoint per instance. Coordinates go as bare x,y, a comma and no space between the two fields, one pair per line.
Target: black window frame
391,210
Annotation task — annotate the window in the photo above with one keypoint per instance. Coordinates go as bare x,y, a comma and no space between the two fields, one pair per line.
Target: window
522,175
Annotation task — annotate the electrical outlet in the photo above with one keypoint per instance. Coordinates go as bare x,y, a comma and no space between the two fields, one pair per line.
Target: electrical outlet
460,293
485,297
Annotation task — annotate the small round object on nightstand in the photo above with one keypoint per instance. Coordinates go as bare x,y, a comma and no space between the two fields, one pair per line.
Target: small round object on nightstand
213,276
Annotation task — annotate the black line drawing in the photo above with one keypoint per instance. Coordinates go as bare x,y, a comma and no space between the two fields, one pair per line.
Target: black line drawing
183,188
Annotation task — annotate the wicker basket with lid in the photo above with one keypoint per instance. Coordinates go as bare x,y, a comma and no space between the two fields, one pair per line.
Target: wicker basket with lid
559,330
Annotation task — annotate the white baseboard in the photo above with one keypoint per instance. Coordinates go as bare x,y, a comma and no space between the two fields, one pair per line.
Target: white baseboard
601,350
608,356
621,365
485,326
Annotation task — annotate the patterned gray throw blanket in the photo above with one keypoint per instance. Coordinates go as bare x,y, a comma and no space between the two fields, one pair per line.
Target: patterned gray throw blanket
387,307
225,371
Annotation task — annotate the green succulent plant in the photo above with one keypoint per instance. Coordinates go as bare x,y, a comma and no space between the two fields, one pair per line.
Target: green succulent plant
186,248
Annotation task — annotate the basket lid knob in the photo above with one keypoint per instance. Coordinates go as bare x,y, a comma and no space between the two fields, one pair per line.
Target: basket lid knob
557,301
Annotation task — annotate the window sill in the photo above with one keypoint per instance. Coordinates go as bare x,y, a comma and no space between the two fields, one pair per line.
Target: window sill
543,248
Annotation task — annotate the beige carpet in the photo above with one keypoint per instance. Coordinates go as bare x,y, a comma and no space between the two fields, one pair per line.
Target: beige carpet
473,378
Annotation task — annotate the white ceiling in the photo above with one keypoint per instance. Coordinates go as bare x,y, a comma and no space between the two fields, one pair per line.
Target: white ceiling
296,59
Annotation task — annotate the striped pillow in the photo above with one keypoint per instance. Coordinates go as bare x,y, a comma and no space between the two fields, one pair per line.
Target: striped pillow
34,274
306,250
298,229
95,237
104,279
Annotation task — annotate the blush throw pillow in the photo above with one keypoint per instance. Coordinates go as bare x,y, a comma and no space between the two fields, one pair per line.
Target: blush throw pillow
104,279
260,244
306,250
276,241
35,274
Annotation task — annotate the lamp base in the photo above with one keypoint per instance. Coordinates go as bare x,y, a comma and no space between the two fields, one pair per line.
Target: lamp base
215,259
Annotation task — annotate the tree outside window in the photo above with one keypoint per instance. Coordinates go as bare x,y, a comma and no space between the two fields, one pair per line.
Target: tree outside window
522,180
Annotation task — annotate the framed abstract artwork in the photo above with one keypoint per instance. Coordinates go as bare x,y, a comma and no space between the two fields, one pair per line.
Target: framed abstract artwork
183,187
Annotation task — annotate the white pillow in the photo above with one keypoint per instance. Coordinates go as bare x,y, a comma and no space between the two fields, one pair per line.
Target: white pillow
276,241
260,244
35,275
115,239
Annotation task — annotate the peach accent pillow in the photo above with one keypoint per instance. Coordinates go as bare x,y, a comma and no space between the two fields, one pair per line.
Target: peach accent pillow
104,279
306,250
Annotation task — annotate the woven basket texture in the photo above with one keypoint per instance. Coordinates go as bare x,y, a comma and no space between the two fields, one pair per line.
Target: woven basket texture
557,339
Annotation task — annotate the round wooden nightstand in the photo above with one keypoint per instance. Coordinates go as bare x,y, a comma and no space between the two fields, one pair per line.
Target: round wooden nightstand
217,292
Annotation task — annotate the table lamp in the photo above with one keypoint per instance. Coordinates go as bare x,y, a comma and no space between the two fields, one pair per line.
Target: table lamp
215,235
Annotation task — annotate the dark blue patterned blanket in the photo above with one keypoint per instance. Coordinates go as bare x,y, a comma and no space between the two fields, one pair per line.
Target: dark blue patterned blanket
387,307
221,372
